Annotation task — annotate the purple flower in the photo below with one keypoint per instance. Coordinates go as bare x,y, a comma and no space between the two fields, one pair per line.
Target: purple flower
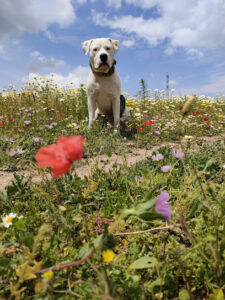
11,152
48,126
157,157
162,207
165,168
64,131
157,132
54,124
27,122
139,178
177,153
41,119
35,139
128,129
109,126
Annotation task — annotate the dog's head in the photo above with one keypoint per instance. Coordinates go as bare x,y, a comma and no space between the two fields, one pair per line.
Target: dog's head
101,53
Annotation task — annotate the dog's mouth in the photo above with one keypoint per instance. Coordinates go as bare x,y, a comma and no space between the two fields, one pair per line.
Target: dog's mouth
103,65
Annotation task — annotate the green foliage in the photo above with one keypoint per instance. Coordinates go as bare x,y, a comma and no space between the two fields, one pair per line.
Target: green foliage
59,221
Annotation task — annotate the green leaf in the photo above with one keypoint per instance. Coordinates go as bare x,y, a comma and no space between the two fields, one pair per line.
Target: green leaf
144,262
140,209
150,216
84,251
184,295
108,241
20,224
151,284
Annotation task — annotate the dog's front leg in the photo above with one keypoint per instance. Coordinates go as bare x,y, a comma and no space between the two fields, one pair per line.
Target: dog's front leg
91,110
116,112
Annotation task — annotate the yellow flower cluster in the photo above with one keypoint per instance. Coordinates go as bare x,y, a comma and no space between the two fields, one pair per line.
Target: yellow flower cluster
108,255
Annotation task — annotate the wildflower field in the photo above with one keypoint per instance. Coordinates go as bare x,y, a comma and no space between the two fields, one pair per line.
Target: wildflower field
153,229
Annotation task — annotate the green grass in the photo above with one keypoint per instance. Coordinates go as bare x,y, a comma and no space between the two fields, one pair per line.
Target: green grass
66,219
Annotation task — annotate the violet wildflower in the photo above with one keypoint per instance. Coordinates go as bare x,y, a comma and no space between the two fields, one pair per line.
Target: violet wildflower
157,132
48,126
157,157
11,152
139,178
162,207
35,139
27,122
128,129
177,153
165,169
54,124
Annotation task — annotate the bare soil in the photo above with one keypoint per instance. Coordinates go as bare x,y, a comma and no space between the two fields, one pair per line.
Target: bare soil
103,161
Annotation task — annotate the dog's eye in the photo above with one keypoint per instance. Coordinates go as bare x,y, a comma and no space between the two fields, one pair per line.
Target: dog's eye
108,48
95,49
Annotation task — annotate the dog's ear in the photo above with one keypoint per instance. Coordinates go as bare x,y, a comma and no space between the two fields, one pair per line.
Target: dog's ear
115,44
86,46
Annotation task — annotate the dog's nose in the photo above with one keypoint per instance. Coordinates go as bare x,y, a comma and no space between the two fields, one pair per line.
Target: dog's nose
103,57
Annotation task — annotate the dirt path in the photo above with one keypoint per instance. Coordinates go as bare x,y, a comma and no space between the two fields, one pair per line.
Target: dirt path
136,155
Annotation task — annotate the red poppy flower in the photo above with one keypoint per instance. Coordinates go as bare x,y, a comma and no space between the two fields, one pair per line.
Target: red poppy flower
180,108
60,114
197,112
59,157
146,123
140,129
1,123
11,119
150,122
206,119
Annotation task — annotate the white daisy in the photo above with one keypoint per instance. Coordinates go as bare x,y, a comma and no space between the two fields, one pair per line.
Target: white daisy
7,220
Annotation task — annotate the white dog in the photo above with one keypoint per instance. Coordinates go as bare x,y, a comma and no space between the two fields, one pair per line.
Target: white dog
103,84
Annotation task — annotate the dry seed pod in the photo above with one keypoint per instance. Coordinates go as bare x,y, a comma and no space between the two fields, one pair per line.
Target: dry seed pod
187,106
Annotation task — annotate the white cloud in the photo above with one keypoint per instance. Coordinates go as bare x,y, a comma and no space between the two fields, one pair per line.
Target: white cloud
114,3
35,53
126,78
194,25
128,43
146,4
39,63
172,82
78,76
19,16
215,87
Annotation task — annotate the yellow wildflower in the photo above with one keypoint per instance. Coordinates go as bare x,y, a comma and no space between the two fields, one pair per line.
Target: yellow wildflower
108,255
38,286
188,137
48,275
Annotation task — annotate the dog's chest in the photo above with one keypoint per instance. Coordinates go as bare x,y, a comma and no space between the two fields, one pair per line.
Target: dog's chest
104,94
104,101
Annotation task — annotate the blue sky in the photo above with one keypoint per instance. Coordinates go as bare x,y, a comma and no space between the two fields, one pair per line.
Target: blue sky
185,38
